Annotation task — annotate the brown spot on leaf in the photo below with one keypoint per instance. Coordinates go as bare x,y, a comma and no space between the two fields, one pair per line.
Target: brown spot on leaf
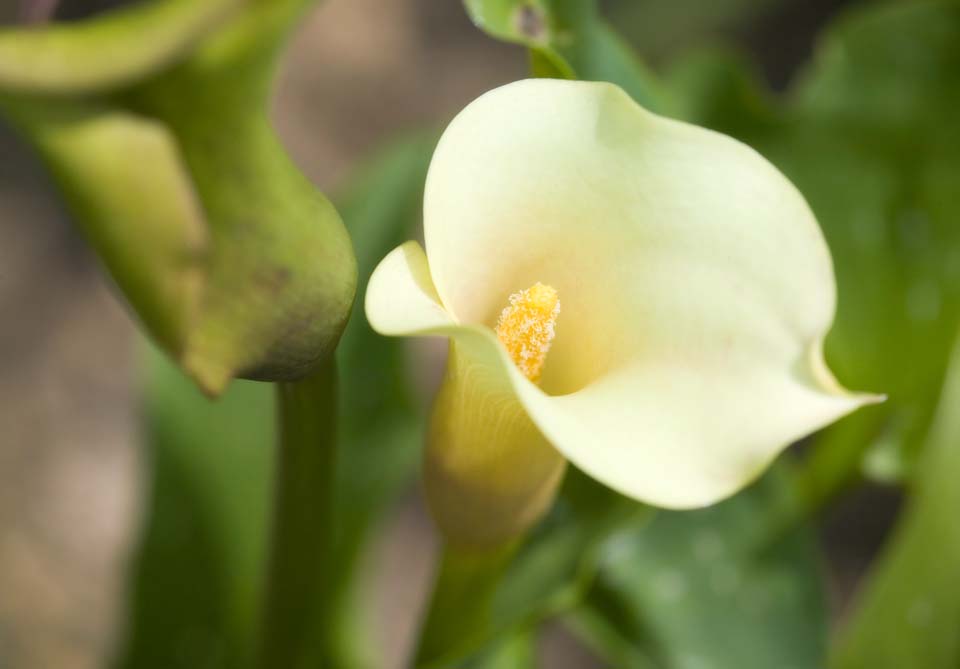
274,279
531,22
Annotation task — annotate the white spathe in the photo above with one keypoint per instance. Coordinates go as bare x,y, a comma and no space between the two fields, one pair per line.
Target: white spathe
696,287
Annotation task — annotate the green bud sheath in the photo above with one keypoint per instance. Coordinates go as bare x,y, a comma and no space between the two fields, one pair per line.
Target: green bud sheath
233,260
107,51
281,274
489,473
123,179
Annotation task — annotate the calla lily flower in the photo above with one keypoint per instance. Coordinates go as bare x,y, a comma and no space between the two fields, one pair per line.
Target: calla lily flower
642,297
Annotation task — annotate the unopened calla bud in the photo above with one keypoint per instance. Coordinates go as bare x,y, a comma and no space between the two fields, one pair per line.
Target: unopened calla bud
125,182
233,260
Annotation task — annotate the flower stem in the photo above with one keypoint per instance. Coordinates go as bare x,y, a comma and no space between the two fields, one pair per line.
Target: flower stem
302,533
461,604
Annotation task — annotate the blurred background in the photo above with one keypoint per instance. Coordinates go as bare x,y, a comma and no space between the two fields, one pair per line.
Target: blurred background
74,469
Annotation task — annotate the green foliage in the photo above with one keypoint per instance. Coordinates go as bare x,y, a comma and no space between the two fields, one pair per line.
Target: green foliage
665,28
884,108
568,39
486,598
713,587
200,562
381,210
512,652
557,562
380,422
908,613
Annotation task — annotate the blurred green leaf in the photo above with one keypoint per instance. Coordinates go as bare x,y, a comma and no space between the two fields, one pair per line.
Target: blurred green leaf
568,39
558,561
515,651
381,424
869,136
908,612
548,574
662,28
884,112
196,579
707,589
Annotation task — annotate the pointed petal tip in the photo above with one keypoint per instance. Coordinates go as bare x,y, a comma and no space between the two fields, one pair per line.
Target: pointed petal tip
815,367
401,298
866,399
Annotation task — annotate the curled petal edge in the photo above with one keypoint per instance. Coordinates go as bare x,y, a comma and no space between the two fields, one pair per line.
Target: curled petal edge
629,456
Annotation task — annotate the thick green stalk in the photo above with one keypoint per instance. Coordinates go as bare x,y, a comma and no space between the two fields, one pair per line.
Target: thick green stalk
302,534
461,606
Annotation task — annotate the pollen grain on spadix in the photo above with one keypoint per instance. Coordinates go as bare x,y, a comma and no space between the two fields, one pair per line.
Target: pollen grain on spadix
527,327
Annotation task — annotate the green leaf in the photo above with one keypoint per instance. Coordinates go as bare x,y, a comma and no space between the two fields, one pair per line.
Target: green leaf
884,111
515,651
381,422
514,590
197,572
558,561
568,39
707,589
665,28
908,612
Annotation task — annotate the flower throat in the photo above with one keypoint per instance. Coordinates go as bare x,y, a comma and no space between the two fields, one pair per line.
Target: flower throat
527,326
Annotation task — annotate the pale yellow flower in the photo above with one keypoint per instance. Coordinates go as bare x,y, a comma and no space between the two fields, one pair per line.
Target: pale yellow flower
686,281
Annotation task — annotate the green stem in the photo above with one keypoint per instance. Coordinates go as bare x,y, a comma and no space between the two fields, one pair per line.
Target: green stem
302,535
462,601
